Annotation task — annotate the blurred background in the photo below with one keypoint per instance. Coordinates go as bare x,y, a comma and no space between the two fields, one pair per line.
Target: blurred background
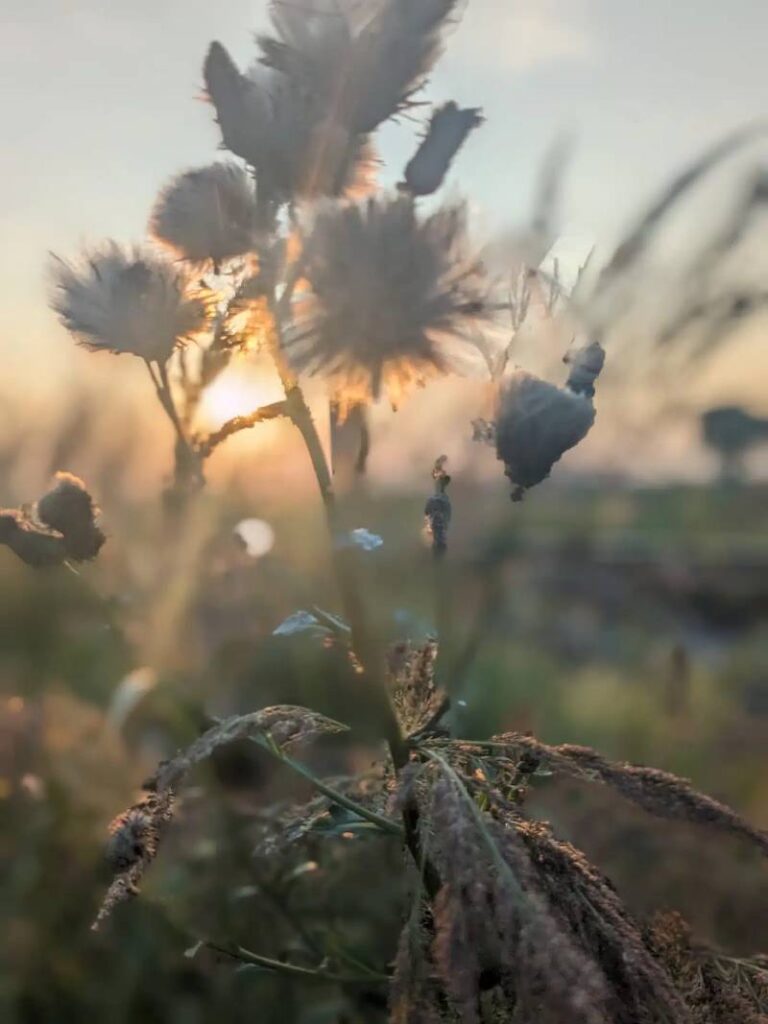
623,605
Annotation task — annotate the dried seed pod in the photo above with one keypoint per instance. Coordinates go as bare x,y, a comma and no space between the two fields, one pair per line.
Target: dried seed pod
448,131
586,363
70,509
537,423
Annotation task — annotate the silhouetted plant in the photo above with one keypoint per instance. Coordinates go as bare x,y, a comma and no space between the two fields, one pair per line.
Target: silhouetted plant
295,250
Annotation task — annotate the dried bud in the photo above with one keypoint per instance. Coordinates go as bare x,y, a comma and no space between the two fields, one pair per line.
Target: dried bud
69,509
537,423
448,130
586,364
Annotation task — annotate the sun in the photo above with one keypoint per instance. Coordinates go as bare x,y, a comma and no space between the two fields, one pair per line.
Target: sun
237,392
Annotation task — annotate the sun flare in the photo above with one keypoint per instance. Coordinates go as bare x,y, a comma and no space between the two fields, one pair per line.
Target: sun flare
237,392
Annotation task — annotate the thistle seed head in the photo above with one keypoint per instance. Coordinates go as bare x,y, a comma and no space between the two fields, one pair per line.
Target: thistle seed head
390,293
207,214
125,300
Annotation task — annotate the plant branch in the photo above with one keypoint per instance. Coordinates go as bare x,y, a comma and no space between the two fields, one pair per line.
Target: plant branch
294,970
165,396
364,643
206,446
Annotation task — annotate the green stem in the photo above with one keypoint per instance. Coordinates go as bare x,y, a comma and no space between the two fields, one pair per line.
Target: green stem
385,824
165,396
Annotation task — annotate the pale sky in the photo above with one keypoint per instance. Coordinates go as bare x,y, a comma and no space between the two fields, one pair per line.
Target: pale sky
98,102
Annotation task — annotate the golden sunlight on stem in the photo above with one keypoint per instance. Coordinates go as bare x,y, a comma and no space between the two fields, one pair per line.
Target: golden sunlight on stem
237,392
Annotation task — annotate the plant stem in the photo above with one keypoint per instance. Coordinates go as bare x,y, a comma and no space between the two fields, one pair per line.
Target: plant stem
364,643
308,973
267,412
165,396
385,824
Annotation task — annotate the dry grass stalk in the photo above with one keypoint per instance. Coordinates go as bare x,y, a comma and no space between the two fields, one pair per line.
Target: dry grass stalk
493,925
660,793
136,833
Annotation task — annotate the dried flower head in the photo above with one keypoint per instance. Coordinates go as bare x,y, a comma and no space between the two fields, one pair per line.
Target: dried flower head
416,696
448,130
60,526
396,50
208,213
390,292
269,120
133,843
536,424
70,509
359,63
126,300
586,363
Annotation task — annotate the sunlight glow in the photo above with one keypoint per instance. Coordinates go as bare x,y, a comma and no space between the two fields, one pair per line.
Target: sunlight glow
237,392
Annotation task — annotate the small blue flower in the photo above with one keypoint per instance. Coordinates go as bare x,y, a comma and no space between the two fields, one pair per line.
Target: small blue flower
366,540
299,622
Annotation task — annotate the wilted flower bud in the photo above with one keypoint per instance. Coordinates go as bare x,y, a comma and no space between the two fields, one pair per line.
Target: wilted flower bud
69,509
586,364
128,301
60,526
537,423
241,110
207,214
447,132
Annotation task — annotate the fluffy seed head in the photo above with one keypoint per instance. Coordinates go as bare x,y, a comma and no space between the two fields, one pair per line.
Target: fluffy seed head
125,300
389,294
207,214
536,424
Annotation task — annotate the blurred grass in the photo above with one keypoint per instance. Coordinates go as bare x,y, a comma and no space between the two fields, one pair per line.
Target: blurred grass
631,620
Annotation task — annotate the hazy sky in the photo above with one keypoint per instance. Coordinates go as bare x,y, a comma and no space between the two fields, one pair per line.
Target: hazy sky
98,101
